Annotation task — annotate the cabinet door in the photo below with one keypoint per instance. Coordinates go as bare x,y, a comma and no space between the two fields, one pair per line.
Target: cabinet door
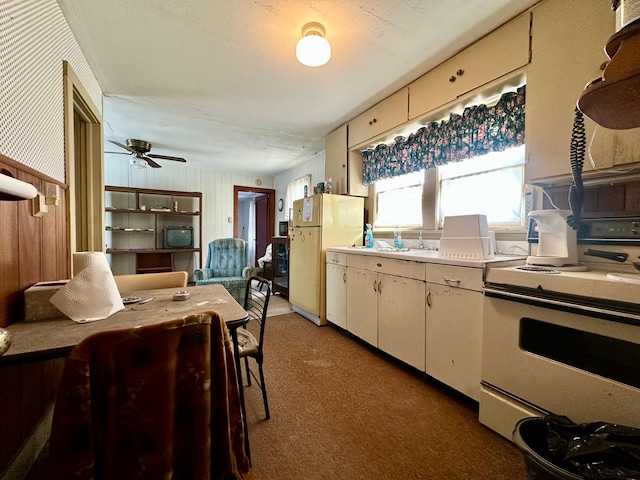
491,57
343,167
362,309
336,292
454,337
336,159
401,319
563,61
387,114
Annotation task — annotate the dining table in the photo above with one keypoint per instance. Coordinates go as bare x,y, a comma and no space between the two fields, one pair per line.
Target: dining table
38,340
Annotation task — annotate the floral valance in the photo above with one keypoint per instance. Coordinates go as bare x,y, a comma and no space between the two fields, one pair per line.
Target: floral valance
478,131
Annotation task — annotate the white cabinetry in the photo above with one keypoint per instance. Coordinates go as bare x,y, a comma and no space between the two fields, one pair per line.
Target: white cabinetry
344,169
563,61
337,289
388,114
454,327
502,51
389,311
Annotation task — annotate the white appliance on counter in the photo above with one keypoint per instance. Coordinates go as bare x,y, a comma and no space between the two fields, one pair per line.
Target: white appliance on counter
319,222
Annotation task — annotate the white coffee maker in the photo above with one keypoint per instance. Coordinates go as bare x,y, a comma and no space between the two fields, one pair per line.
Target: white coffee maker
557,241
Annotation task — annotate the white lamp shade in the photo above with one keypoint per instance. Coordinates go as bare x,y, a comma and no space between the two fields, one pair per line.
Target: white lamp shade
313,50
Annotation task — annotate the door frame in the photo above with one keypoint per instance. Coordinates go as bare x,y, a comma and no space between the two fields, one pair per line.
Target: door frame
84,166
271,202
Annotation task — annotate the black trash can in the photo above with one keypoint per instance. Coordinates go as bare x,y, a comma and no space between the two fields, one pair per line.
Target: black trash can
530,435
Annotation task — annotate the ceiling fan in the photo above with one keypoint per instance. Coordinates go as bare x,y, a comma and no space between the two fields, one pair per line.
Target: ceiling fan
139,149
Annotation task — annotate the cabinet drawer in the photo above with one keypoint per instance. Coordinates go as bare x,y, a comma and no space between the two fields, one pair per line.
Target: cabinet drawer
337,258
387,114
390,266
502,51
454,276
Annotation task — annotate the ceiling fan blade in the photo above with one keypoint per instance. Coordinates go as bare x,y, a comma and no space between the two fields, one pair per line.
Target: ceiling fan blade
119,153
123,146
166,157
151,162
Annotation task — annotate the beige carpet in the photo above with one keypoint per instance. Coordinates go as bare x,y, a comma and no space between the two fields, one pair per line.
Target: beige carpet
341,411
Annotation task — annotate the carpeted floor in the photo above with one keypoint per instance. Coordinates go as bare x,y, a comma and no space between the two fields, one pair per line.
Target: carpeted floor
341,411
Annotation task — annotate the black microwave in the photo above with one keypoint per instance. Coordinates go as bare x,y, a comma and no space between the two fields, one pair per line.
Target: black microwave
283,229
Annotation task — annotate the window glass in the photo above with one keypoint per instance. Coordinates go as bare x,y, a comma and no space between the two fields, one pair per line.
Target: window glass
491,185
295,191
399,201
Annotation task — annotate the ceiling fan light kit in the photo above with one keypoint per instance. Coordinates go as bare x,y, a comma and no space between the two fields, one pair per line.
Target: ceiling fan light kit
313,50
142,159
138,163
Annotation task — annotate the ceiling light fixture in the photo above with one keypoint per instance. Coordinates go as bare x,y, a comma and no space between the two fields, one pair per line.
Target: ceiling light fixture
313,50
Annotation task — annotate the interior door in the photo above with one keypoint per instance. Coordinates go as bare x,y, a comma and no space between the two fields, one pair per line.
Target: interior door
263,235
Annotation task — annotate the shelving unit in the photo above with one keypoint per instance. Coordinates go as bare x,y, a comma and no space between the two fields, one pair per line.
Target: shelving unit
280,265
135,222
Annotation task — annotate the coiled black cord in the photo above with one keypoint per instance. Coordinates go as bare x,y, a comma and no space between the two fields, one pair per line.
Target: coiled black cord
576,153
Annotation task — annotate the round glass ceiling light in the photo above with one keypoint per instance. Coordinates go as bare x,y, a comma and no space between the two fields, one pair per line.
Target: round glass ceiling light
313,50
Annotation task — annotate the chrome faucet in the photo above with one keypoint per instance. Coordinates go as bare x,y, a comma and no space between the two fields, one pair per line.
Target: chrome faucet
420,241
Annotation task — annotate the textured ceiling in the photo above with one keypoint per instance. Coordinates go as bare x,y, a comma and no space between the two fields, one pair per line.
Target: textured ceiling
217,82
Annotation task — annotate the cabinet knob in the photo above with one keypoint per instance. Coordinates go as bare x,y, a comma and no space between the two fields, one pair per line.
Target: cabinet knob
371,122
452,79
460,72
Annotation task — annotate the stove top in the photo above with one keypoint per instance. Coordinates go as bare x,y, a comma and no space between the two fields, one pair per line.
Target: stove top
590,283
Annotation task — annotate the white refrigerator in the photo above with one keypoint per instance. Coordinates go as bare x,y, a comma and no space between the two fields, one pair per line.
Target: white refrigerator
319,222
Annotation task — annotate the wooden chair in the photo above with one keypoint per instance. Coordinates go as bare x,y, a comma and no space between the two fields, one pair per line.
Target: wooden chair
150,281
256,303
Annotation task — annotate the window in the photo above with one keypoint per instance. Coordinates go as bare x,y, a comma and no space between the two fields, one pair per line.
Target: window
399,201
491,184
295,190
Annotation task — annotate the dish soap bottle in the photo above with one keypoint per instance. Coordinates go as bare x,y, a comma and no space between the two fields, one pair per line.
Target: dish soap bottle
368,237
397,238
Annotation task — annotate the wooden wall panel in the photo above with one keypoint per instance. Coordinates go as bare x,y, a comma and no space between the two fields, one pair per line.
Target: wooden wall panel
10,425
9,282
32,249
29,239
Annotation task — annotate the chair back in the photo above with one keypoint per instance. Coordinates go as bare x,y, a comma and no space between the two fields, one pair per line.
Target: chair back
256,303
227,257
137,403
150,281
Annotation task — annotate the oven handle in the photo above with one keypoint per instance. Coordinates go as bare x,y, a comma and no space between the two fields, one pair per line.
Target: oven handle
554,304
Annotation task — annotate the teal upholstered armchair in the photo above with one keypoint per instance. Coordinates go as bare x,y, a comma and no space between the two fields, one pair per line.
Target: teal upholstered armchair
228,265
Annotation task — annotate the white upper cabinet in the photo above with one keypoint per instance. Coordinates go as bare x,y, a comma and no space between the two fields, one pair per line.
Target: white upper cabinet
502,51
384,116
343,167
568,40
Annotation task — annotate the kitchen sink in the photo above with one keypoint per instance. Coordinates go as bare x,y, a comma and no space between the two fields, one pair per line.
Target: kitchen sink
625,277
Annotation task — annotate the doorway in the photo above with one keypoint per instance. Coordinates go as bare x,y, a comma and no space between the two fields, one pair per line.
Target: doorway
84,166
254,218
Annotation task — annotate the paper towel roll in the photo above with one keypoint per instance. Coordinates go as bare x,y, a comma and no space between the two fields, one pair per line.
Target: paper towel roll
82,260
90,295
14,189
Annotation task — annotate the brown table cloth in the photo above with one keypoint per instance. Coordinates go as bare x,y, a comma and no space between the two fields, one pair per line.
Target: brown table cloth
138,402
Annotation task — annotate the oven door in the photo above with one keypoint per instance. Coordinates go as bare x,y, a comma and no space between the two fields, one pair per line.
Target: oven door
541,356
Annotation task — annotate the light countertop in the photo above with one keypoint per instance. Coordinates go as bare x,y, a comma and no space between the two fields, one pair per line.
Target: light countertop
432,256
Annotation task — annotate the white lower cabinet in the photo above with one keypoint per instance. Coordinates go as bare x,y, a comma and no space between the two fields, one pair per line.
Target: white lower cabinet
401,327
387,309
336,289
454,327
362,304
427,315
